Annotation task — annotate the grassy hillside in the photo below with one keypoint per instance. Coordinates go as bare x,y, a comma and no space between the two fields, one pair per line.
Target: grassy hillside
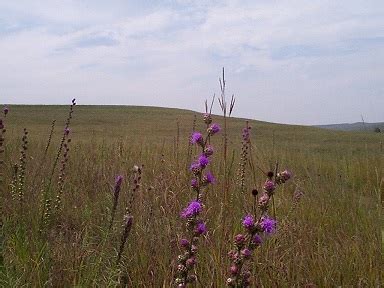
331,237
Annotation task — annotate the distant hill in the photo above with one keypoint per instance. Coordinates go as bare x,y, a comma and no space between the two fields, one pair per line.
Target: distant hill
358,126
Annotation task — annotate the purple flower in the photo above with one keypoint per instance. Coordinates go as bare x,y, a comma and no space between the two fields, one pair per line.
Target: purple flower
246,134
203,161
286,175
201,228
248,221
196,137
268,225
208,151
193,209
213,129
194,183
246,253
6,110
257,240
195,167
207,118
190,262
118,180
184,243
209,178
269,186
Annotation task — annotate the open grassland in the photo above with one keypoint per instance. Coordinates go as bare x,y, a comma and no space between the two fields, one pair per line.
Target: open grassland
331,237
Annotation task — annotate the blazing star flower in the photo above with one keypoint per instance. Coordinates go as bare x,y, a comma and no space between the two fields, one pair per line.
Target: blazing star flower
257,240
195,167
194,183
246,134
208,151
118,180
193,209
196,137
209,178
269,186
268,225
203,161
248,221
213,129
190,262
207,118
201,228
246,253
184,243
286,175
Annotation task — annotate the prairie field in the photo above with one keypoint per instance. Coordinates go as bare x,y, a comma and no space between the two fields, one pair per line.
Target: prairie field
329,214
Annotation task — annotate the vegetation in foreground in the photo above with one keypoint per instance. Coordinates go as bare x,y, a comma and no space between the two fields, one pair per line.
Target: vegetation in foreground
57,228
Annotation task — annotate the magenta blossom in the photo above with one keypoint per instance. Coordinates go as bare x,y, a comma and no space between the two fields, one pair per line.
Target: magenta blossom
194,183
269,186
193,209
213,129
208,151
203,161
201,228
268,225
209,178
195,167
248,221
196,137
257,240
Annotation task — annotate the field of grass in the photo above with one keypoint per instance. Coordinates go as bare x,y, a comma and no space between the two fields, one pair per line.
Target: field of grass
330,238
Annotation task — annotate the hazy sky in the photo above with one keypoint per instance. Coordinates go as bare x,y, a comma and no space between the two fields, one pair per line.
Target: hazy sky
302,62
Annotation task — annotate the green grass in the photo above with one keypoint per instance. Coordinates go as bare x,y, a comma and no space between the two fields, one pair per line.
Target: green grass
332,238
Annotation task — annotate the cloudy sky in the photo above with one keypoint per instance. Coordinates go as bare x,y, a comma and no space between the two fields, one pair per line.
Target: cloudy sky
301,62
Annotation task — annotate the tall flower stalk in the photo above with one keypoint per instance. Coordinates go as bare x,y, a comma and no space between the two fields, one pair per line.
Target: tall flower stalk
195,225
257,226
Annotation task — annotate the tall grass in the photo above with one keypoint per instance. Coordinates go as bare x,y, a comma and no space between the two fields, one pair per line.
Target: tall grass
331,237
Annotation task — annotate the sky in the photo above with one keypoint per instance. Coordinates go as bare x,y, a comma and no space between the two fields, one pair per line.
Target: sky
297,61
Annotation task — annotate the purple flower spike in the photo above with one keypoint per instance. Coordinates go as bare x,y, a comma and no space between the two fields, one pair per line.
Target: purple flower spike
196,137
209,178
257,240
248,221
203,161
208,151
193,209
195,167
194,183
201,228
184,243
286,175
213,129
6,110
268,225
118,180
269,186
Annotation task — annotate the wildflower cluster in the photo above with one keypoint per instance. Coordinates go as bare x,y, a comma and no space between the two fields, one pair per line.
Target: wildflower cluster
196,227
256,229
